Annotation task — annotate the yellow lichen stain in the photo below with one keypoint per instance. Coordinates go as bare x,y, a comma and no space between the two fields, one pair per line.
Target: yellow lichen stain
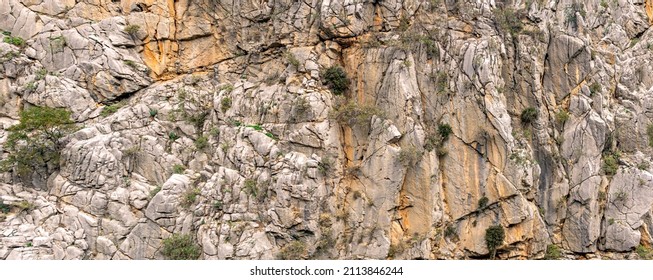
156,56
468,28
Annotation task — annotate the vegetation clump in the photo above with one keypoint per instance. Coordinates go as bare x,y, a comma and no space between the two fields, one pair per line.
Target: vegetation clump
190,196
180,247
335,78
35,143
562,116
494,236
483,202
225,104
16,41
354,114
201,143
610,163
552,252
529,115
132,29
295,250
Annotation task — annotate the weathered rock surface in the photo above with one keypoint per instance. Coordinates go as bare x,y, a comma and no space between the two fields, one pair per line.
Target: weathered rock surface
213,118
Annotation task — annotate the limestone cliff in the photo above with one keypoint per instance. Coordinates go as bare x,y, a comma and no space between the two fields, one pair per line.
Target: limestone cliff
214,119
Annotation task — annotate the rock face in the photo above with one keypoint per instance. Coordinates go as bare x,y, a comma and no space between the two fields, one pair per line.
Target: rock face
214,119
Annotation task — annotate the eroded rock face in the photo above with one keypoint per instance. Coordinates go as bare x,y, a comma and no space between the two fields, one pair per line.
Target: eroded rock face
214,119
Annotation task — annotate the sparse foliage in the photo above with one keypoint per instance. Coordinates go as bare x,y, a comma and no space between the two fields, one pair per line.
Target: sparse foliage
295,250
354,114
180,247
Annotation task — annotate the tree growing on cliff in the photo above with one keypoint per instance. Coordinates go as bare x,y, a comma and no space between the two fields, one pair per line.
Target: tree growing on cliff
35,143
494,236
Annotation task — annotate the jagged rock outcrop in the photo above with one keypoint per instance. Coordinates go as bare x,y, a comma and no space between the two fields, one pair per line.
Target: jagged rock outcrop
214,119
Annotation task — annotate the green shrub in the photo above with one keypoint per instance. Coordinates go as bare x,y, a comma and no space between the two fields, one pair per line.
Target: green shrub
16,41
201,143
217,205
256,127
130,63
292,59
35,143
4,208
190,196
227,88
225,104
108,110
40,74
450,232
180,247
644,252
251,187
562,116
178,169
295,250
483,202
494,236
441,82
432,49
197,119
336,79
353,114
571,17
610,163
153,112
529,115
173,136
155,191
552,252
595,88
325,165
25,205
132,29
444,130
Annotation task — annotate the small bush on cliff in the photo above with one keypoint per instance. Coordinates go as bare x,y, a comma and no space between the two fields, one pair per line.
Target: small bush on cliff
132,29
180,247
529,115
336,79
35,143
4,208
295,250
353,114
610,163
16,41
494,236
483,202
552,252
444,130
